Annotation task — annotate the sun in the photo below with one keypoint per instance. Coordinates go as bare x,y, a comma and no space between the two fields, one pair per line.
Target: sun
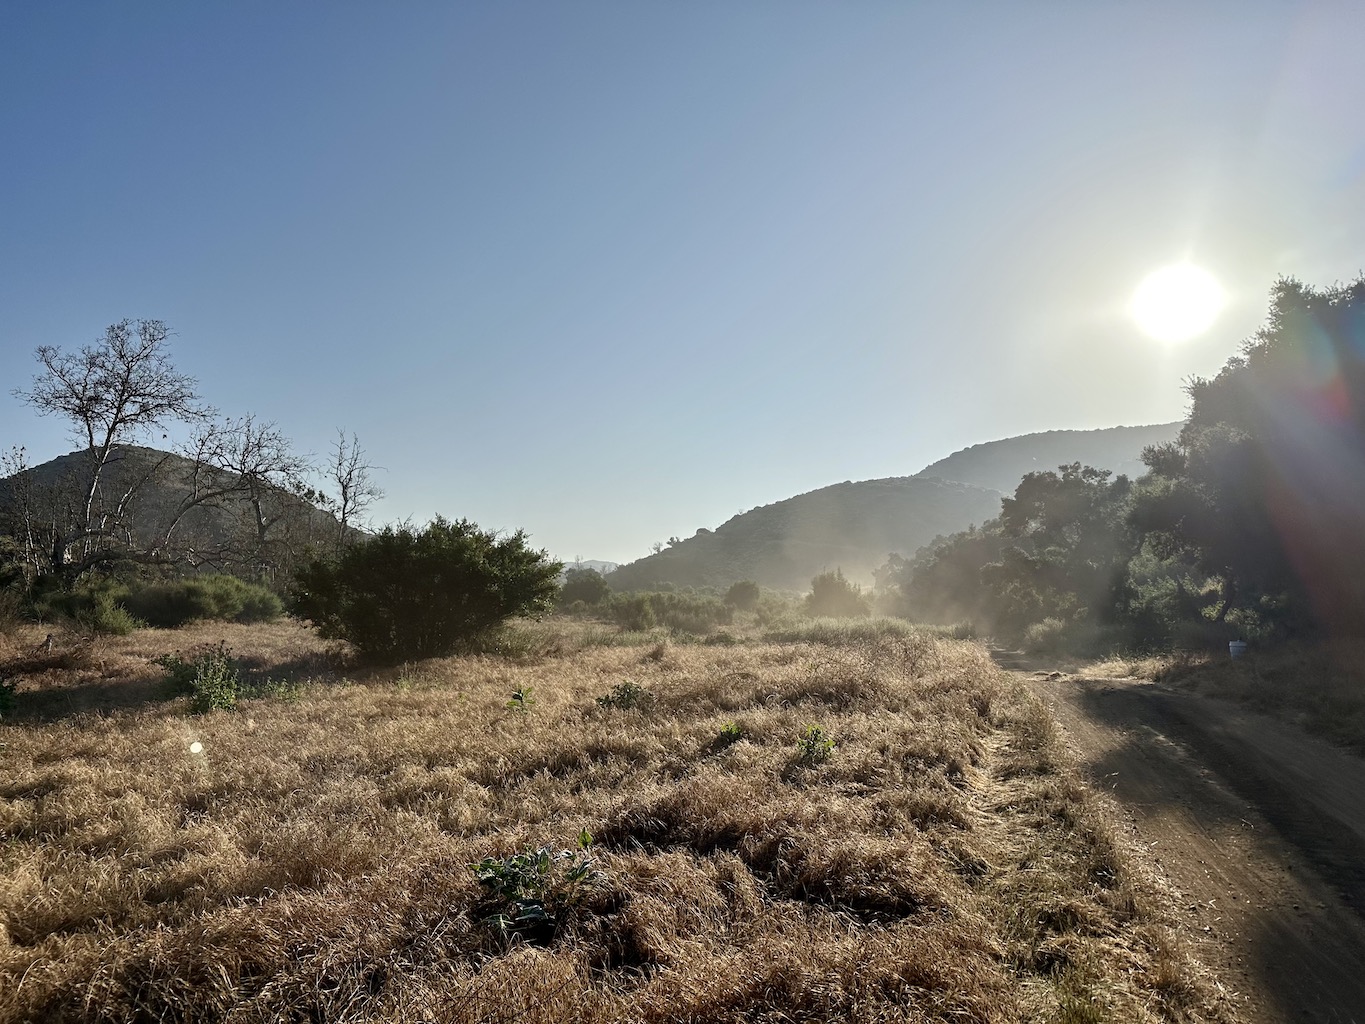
1178,302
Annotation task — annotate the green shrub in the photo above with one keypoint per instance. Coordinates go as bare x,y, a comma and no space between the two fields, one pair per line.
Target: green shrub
209,678
105,615
833,596
173,603
1047,637
94,606
626,696
743,595
411,594
730,733
776,608
682,613
814,746
585,585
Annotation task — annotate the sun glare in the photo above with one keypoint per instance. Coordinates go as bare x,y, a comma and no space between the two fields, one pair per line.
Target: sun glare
1177,302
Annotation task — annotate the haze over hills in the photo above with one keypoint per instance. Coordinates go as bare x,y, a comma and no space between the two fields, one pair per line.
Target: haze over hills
848,526
855,526
1000,465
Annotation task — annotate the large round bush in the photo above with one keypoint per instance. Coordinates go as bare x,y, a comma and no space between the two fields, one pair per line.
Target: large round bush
407,594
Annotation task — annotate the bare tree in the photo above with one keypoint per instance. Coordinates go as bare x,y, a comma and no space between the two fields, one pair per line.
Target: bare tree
113,393
240,464
353,490
26,511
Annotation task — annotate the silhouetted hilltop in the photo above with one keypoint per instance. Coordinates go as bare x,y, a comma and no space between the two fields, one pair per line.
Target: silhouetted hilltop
1000,465
849,526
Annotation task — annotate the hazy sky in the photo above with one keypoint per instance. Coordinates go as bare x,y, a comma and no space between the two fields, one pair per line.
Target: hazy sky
613,272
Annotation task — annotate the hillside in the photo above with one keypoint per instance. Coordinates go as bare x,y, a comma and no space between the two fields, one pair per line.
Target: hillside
849,526
854,526
1000,465
228,532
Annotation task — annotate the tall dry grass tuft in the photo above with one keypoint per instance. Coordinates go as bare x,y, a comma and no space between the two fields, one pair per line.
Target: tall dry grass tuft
309,860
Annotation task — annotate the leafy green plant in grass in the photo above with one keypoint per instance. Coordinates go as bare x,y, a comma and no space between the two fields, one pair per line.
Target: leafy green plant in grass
814,746
730,733
627,696
522,701
209,678
530,892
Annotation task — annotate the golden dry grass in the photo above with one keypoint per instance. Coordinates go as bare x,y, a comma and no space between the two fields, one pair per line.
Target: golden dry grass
1319,686
311,862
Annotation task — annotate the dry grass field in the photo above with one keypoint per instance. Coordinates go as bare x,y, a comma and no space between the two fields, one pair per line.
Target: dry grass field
308,858
1319,687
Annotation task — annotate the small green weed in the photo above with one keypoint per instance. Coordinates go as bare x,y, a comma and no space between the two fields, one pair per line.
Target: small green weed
730,732
521,701
626,696
532,891
209,678
814,746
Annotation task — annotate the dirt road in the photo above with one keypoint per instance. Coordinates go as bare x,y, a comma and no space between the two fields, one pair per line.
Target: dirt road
1260,827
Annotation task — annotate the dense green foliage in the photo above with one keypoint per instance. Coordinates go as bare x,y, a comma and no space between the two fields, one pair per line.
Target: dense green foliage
1059,550
685,613
209,678
176,602
832,596
744,595
1247,525
586,585
1264,489
408,594
116,607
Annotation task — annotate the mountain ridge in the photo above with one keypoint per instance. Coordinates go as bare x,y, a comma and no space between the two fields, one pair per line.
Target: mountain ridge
1001,464
855,526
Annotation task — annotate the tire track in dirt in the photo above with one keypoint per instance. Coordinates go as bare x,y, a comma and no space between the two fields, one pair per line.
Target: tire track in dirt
1258,826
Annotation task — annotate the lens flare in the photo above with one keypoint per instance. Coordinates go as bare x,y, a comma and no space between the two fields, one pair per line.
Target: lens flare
1177,303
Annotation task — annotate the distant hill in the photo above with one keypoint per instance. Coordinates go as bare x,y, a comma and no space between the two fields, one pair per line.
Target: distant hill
223,534
849,526
854,526
1000,465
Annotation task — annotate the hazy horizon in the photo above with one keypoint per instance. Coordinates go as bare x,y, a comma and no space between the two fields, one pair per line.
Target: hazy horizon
613,273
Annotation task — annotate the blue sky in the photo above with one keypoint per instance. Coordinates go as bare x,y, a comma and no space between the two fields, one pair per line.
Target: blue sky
613,272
